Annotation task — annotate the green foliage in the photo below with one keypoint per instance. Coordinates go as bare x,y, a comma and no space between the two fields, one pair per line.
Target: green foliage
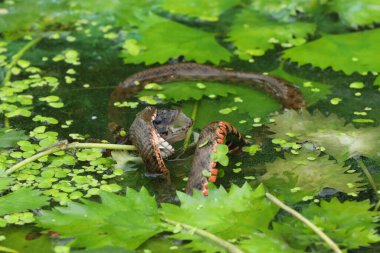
241,216
340,140
252,150
9,137
353,52
22,200
253,34
377,81
306,174
200,46
220,155
5,182
148,34
202,9
132,12
20,18
356,13
287,10
125,221
349,224
236,216
26,239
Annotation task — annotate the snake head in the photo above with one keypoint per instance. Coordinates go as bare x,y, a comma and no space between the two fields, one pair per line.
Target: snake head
172,125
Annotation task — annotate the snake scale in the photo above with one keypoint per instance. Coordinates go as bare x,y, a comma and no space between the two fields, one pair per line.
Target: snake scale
154,130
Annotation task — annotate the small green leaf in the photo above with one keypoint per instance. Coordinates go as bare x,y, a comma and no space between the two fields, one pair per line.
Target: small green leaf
335,101
357,85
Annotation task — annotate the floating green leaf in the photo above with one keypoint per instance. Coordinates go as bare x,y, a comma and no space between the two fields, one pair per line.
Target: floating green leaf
132,12
285,10
310,174
5,182
9,137
336,220
220,155
202,9
353,52
356,13
22,200
125,221
252,150
20,18
200,46
26,239
253,34
340,140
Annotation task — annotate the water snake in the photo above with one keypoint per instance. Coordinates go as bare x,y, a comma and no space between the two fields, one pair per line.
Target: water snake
154,130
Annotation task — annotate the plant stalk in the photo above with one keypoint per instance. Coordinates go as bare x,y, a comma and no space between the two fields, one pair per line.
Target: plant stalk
190,131
18,55
307,222
15,59
367,174
371,181
207,235
64,145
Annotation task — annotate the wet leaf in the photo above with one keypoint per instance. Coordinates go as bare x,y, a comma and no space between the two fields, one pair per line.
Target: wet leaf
9,137
285,10
200,46
353,52
356,13
341,140
253,34
22,200
310,176
202,9
125,221
336,220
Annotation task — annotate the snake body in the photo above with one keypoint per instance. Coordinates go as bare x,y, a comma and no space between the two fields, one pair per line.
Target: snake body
288,95
146,131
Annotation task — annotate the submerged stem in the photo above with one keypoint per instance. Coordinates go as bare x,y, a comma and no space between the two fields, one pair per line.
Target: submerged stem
371,181
18,55
367,174
15,59
63,145
307,222
207,235
190,131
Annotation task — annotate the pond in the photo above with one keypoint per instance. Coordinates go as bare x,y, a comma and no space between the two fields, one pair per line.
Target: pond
70,182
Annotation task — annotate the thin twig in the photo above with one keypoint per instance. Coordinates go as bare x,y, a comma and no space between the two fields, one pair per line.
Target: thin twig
63,145
190,131
308,223
203,233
